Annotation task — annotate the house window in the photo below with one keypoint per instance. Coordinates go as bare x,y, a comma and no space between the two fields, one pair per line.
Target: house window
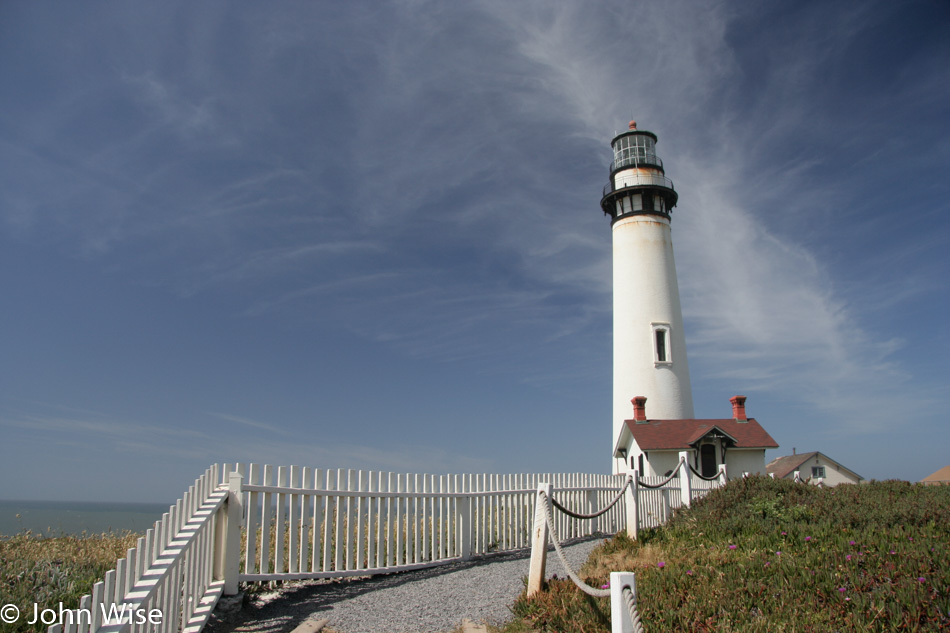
641,463
661,344
818,472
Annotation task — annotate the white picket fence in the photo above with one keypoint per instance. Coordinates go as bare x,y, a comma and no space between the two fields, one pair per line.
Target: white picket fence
174,574
339,523
305,523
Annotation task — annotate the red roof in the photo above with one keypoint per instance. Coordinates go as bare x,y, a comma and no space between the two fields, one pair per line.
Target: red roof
654,435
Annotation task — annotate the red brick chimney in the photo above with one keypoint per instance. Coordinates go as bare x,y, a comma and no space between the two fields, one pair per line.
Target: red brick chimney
640,408
738,408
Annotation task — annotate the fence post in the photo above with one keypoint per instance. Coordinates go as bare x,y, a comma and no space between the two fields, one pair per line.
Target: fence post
539,540
620,621
632,511
685,487
464,518
232,537
591,499
722,475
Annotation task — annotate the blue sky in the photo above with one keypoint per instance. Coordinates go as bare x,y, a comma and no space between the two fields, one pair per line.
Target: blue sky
368,234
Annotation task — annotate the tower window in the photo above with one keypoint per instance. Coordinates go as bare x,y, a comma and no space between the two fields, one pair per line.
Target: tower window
661,344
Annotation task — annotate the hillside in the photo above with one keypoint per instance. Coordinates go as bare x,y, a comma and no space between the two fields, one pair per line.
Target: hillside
766,555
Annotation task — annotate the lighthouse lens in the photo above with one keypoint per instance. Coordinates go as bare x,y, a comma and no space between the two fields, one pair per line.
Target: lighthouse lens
634,150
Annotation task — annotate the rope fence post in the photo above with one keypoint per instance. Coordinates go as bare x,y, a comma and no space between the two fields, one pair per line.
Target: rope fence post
685,487
539,539
621,618
632,511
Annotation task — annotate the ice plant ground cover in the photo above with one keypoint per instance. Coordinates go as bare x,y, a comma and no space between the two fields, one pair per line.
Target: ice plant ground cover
766,555
44,569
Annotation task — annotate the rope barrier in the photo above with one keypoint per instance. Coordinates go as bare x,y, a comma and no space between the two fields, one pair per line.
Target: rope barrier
696,472
577,515
583,586
631,603
665,481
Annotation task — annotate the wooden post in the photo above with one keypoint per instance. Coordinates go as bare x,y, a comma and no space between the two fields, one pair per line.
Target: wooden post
591,498
620,621
232,538
633,513
685,487
539,540
464,518
722,475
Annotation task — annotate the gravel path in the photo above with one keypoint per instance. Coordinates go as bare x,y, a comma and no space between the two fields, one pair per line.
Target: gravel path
430,600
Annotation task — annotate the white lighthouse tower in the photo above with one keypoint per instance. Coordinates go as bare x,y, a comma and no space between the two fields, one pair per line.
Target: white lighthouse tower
649,344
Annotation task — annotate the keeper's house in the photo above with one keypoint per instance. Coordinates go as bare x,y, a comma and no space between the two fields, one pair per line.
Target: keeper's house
652,446
815,468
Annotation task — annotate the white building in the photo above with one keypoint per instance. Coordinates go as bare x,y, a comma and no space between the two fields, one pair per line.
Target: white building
815,468
652,446
649,343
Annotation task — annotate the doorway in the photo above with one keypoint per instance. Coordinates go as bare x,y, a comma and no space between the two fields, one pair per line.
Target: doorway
707,460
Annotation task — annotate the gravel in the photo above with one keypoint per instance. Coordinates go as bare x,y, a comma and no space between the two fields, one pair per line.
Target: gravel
430,600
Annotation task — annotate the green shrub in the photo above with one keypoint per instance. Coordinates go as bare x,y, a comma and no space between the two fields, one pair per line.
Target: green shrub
766,555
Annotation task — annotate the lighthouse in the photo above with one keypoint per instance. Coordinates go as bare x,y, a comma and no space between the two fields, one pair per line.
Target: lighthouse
649,343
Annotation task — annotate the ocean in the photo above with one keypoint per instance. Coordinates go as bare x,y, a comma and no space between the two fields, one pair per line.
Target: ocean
56,518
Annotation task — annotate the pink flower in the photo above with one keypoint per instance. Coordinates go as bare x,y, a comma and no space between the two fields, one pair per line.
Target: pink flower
784,533
607,586
848,557
850,542
778,553
661,564
921,579
807,538
842,589
732,547
893,552
689,572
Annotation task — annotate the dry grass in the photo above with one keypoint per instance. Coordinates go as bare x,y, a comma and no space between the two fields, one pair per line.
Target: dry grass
47,570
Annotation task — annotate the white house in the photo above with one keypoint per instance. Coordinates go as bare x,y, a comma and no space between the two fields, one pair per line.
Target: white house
815,467
652,446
